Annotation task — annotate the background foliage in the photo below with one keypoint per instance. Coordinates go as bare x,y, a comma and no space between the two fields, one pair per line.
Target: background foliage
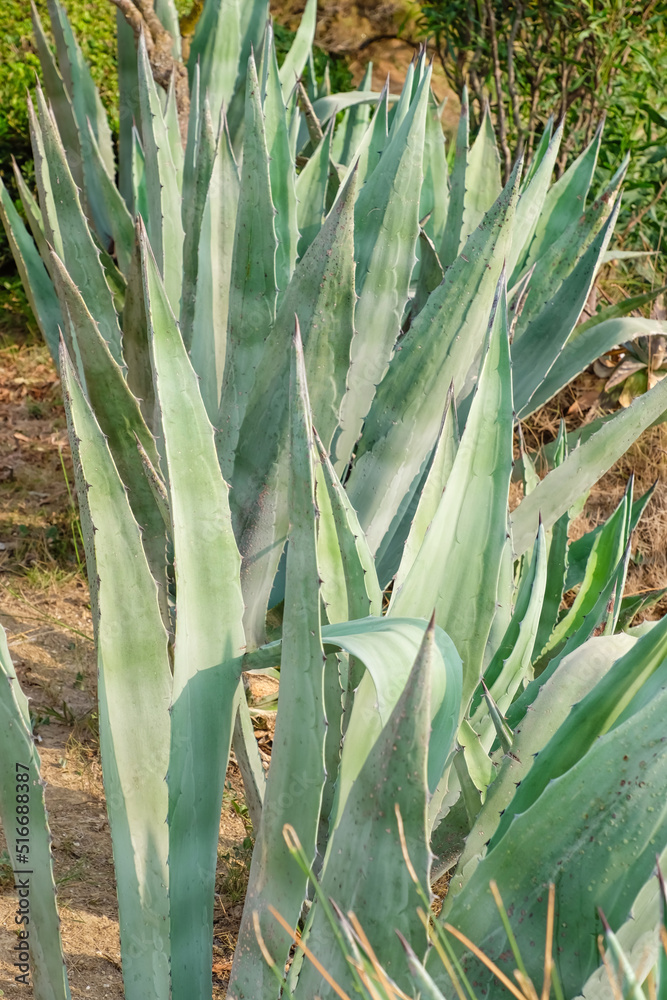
94,24
581,59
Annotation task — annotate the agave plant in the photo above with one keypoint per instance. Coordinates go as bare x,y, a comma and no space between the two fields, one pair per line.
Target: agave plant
231,459
640,365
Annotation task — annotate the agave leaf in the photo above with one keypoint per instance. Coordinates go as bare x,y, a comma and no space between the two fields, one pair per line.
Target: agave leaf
386,647
353,127
329,106
107,202
401,748
565,200
540,150
134,690
402,106
584,346
32,211
474,769
226,34
322,294
452,241
557,565
254,17
215,256
420,976
275,878
350,588
508,587
281,167
135,343
140,194
403,424
511,664
372,144
66,226
560,258
59,99
482,180
470,518
200,172
622,308
311,192
564,293
163,198
600,850
336,698
434,199
594,715
430,274
296,58
605,555
249,761
429,495
174,132
531,202
192,153
36,281
585,465
252,293
580,550
42,217
208,642
168,14
326,107
624,974
601,620
386,230
81,88
20,783
120,419
633,604
128,105
550,703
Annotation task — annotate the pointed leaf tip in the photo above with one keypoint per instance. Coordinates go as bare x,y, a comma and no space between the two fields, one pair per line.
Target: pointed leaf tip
661,880
298,342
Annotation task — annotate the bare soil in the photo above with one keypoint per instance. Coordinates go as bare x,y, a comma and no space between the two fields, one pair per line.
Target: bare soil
383,32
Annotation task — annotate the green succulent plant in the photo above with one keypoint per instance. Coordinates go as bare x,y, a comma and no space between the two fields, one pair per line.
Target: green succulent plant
293,353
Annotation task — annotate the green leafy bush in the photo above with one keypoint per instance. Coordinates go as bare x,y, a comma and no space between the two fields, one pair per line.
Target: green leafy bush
95,25
575,60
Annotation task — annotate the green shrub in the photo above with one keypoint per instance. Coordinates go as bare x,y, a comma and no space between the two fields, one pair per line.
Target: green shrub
95,26
571,59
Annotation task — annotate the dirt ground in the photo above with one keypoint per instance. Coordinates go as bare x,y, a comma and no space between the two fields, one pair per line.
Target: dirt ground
383,32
